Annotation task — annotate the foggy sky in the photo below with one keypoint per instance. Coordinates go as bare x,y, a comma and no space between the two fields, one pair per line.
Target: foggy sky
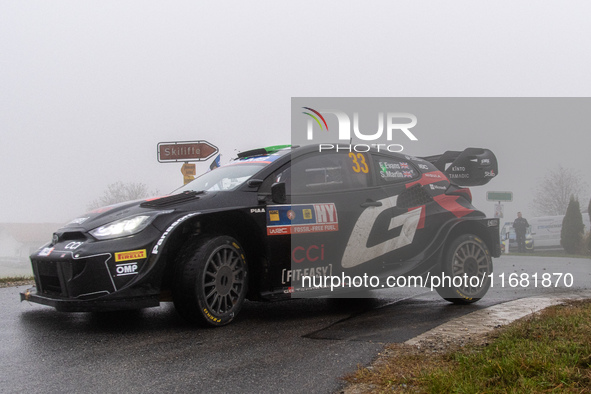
88,89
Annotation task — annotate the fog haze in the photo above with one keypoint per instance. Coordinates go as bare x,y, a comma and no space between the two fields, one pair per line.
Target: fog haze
88,89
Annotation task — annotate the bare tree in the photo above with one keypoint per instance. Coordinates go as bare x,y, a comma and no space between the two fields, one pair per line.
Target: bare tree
120,192
553,193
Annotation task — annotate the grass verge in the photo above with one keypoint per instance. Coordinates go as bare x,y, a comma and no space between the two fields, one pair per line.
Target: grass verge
16,281
547,352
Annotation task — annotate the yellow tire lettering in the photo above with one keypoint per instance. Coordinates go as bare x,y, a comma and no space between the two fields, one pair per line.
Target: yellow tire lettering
210,316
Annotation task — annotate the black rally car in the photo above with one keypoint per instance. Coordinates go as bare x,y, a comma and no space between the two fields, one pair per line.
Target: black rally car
255,227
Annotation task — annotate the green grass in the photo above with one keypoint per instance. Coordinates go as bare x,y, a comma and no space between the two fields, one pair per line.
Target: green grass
16,279
549,352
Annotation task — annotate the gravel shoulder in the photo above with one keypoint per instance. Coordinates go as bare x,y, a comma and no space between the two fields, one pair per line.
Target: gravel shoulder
17,283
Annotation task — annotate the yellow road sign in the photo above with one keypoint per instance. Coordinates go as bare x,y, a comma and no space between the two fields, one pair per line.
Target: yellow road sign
188,169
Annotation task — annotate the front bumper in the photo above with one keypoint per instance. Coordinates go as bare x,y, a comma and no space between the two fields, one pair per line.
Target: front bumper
85,275
103,304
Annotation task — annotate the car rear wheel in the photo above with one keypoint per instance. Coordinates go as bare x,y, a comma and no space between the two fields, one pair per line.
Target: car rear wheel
468,263
211,281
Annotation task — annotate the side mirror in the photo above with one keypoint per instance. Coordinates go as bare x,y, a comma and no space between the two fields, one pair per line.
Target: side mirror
254,182
278,194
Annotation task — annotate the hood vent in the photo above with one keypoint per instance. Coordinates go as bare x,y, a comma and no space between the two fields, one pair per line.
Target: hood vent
171,200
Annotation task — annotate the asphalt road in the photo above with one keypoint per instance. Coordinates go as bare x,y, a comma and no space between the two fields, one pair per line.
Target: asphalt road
295,346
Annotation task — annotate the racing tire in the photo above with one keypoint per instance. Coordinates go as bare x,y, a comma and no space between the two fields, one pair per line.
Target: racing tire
466,255
210,281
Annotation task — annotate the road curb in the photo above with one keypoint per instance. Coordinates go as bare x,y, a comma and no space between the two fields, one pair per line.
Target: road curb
485,320
474,325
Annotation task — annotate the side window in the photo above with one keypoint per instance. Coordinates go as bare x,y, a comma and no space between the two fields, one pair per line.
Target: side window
281,175
325,172
391,169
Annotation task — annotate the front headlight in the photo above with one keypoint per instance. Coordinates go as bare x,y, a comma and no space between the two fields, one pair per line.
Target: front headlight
124,227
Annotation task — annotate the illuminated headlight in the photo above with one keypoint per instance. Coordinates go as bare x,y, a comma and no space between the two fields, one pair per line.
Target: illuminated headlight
124,227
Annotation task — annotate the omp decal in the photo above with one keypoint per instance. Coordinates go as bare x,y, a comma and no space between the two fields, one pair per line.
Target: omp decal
169,229
301,218
130,255
126,269
289,275
357,252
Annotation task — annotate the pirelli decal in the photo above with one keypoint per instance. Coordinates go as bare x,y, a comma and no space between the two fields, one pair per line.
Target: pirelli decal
130,255
301,219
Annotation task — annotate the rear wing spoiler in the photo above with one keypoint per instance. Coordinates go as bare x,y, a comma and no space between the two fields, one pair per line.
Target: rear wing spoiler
470,167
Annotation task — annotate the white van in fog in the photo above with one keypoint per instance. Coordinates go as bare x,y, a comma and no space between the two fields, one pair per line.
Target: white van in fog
545,230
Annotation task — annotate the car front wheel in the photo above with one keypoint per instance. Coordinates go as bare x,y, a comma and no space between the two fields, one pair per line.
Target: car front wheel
211,281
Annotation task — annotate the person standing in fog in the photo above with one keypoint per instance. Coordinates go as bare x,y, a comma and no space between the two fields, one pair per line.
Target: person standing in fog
520,225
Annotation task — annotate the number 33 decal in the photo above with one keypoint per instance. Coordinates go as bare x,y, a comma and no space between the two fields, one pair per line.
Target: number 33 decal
359,164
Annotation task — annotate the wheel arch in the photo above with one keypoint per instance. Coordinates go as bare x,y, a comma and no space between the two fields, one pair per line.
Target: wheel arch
235,224
470,227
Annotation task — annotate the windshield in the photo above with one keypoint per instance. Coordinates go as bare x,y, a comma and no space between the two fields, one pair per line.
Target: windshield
223,178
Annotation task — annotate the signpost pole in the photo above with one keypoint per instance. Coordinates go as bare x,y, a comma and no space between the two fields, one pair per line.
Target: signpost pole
505,197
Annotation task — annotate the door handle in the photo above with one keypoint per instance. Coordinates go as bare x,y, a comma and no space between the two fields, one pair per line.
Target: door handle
371,203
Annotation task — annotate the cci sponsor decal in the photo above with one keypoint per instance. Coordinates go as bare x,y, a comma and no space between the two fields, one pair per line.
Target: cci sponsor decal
311,253
130,255
301,219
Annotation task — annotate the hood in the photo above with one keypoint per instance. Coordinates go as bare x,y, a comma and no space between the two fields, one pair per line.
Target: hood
101,216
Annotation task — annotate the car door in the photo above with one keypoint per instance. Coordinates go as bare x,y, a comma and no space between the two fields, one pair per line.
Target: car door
398,233
308,235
